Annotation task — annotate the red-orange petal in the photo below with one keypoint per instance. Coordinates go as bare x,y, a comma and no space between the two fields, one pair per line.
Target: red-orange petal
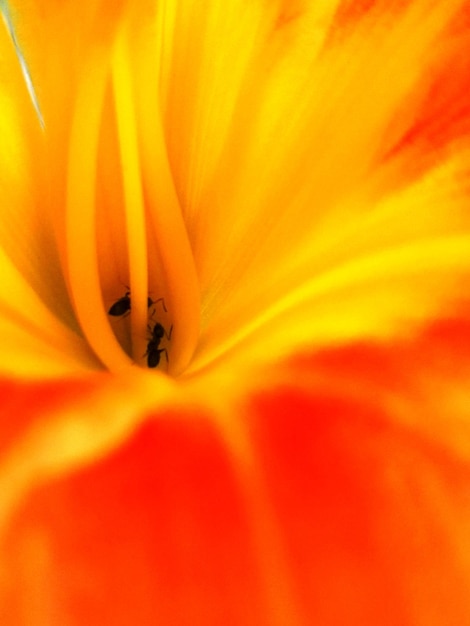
347,505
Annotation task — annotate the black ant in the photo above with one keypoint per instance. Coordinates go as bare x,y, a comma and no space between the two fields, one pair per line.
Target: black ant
153,351
123,305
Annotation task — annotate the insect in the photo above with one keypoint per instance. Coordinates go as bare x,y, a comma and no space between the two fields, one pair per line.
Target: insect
123,305
153,351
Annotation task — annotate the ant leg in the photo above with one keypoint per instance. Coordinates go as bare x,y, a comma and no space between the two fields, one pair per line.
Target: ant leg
168,335
153,302
166,353
154,310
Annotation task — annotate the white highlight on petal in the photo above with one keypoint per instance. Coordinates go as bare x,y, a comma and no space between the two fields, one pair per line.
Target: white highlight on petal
5,12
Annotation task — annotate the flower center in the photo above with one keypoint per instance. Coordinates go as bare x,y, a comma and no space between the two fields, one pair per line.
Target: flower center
127,256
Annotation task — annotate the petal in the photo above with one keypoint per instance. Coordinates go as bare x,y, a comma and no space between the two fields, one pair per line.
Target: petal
400,264
374,519
55,37
315,502
161,543
35,342
50,427
353,188
24,232
39,335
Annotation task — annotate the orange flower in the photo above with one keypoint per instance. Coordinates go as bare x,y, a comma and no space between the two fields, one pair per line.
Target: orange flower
270,197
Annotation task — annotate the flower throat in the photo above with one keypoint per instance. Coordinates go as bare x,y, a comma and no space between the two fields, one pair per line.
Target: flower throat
127,256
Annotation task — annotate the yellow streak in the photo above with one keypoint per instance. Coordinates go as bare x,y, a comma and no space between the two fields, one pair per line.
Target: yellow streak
133,196
81,252
164,208
447,255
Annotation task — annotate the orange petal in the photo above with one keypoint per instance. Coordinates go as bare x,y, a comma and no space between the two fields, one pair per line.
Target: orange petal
341,190
340,498
160,535
49,427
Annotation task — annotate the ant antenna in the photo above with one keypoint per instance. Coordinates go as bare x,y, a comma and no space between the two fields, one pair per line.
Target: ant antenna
154,302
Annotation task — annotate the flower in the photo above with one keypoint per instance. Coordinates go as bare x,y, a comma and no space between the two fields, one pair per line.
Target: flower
282,187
